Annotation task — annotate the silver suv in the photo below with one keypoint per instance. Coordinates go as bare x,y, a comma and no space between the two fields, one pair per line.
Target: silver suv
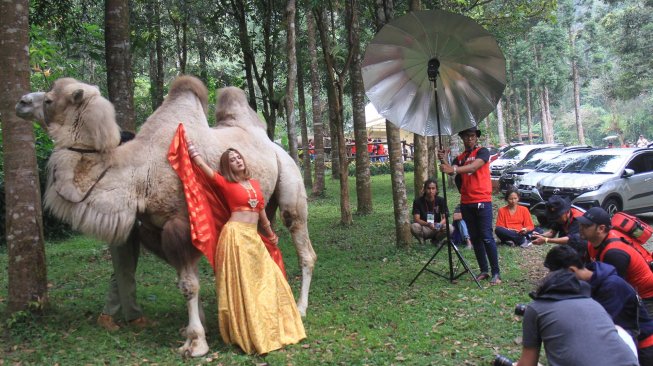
615,179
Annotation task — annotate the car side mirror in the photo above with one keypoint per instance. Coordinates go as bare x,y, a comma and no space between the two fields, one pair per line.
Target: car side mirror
628,173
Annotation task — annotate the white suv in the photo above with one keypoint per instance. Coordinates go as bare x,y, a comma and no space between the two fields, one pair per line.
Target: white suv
615,179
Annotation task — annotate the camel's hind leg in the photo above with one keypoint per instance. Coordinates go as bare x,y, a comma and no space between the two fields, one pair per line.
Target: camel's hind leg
179,252
292,202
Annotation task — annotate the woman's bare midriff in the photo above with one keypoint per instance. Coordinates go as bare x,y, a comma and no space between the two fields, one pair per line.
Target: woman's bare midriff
248,217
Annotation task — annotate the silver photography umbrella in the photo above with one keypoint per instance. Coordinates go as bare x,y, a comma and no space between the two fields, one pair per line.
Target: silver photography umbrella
472,72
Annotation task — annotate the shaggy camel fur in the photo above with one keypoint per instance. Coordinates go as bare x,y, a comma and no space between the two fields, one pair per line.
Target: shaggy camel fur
105,189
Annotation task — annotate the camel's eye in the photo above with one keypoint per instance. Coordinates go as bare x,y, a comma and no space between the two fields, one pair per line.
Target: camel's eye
48,101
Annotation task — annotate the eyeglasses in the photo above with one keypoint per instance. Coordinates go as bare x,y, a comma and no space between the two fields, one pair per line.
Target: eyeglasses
468,136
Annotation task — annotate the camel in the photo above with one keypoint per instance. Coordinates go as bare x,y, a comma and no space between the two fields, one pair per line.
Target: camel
110,190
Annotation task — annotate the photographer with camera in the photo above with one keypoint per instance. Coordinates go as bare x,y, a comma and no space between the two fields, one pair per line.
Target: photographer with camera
616,296
574,329
562,218
429,214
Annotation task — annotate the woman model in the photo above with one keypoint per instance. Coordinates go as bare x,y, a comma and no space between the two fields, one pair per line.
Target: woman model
256,308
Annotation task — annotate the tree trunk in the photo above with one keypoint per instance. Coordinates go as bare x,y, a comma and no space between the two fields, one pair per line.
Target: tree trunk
363,184
575,79
118,59
155,54
399,195
26,269
508,121
517,118
291,79
431,157
502,135
201,52
529,112
306,158
543,122
384,10
318,130
549,120
334,93
238,8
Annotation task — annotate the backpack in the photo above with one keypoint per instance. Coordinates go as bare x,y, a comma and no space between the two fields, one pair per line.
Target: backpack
633,232
635,229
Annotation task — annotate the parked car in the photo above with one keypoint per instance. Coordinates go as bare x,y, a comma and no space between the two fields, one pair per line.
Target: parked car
512,175
511,157
615,179
529,196
496,152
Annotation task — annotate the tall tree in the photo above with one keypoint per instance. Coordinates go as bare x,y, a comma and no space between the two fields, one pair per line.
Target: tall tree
384,11
500,123
363,184
318,130
118,58
301,100
27,278
335,92
155,52
291,78
420,145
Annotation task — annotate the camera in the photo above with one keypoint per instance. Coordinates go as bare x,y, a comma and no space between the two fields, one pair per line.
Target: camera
502,361
520,309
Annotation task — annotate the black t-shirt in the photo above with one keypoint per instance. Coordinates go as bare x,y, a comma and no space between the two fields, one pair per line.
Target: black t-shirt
421,206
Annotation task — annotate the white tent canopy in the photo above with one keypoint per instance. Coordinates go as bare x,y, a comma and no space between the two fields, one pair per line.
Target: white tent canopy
375,125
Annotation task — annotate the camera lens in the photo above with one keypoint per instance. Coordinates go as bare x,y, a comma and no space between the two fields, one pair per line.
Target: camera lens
502,361
520,309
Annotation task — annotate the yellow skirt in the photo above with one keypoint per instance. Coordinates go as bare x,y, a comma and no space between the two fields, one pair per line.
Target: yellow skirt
256,307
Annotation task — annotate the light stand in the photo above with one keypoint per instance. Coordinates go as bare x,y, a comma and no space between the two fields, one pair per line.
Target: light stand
433,71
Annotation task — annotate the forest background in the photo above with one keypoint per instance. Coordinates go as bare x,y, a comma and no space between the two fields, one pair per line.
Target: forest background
577,71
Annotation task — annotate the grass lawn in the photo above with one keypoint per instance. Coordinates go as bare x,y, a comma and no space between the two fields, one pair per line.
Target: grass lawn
361,310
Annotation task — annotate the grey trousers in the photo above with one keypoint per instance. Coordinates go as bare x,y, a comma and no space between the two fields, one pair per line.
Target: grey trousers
121,297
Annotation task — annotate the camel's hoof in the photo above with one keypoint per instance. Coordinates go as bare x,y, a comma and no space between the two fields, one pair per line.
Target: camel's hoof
194,348
302,310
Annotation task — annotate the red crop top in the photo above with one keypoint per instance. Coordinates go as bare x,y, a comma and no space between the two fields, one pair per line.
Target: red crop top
237,196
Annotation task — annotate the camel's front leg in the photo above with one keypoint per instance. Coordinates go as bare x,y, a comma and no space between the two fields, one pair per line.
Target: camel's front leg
189,284
307,259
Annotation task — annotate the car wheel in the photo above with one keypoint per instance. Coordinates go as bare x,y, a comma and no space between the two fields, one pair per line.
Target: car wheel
612,206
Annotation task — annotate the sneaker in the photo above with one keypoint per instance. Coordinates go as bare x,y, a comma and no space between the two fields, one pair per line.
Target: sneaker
106,321
482,276
142,323
526,244
509,243
496,280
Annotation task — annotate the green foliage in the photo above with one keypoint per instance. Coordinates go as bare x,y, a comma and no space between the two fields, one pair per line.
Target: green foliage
361,312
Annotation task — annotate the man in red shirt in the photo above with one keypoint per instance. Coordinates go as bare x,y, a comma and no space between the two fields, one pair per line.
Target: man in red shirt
606,246
473,168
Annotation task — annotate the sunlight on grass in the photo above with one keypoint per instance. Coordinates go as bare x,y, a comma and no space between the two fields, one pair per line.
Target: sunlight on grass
361,310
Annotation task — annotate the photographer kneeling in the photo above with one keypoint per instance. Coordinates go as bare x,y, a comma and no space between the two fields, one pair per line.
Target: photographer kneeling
574,328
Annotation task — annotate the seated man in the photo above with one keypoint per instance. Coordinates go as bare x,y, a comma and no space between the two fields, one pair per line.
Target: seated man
564,228
616,296
461,228
574,329
429,214
606,246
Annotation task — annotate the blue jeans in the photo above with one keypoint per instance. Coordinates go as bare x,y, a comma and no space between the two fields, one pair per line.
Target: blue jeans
461,226
511,235
478,217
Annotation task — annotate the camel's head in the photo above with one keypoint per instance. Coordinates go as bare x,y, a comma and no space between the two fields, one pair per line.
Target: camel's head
30,106
76,115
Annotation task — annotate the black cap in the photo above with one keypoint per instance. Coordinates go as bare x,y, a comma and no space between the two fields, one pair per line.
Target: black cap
471,129
556,206
595,215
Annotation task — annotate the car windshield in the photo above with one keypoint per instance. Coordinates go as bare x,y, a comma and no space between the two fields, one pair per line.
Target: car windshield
537,158
596,164
511,154
554,165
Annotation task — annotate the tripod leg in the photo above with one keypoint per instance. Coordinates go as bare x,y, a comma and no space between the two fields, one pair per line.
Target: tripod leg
426,265
465,265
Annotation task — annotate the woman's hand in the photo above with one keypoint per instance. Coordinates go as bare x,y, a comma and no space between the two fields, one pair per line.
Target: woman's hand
274,239
192,150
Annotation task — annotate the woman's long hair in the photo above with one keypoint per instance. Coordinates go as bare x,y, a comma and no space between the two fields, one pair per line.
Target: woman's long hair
427,183
225,168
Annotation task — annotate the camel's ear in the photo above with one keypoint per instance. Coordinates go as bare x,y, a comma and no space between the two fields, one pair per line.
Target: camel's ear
78,96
